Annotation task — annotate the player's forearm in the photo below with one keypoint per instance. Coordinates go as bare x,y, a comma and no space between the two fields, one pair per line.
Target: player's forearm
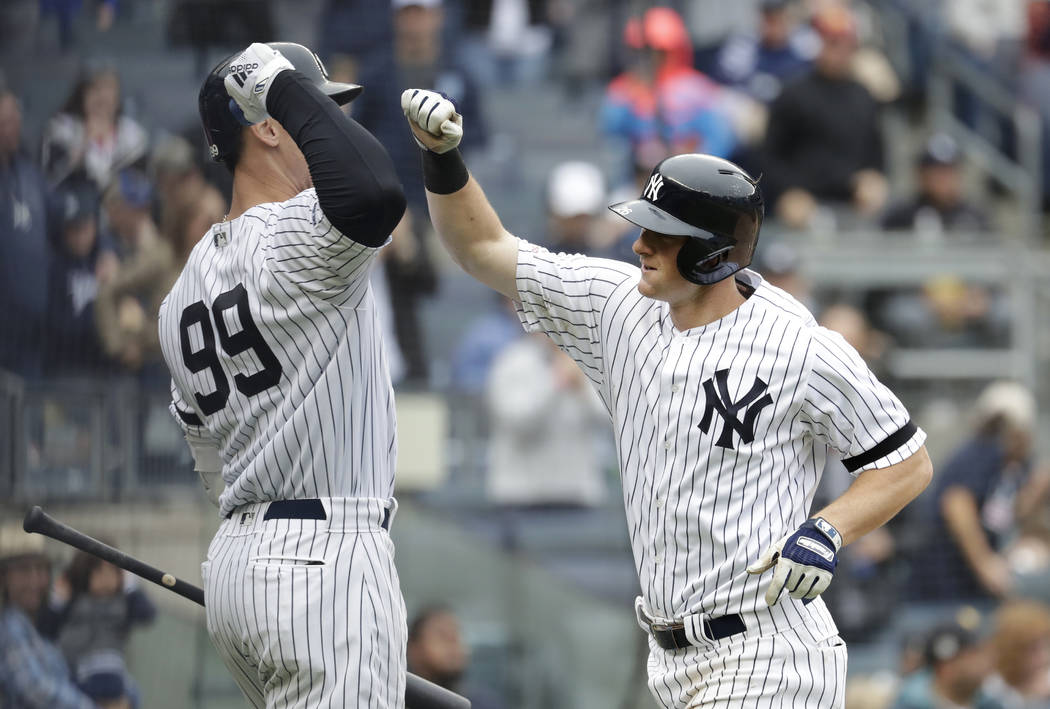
962,518
877,495
470,228
357,186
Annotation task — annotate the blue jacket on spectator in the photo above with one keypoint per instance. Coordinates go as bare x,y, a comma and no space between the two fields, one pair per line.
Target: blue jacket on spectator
24,223
33,674
941,573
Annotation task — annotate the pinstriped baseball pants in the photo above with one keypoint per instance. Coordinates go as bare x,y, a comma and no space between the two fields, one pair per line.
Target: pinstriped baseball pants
308,613
801,667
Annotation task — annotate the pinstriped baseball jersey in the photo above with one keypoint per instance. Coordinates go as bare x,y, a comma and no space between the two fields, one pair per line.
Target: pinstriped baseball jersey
273,344
722,430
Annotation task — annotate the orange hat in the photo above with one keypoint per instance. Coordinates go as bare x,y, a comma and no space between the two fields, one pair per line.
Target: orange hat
659,28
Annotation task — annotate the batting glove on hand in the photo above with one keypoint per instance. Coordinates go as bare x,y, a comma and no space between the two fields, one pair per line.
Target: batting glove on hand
435,124
805,561
249,79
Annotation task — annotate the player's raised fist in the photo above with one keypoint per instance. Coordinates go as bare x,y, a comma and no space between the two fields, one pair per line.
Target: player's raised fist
249,79
435,123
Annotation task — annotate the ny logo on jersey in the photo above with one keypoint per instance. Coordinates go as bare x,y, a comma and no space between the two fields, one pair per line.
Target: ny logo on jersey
722,402
652,190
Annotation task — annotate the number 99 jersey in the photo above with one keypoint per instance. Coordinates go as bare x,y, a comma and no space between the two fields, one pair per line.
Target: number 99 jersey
273,344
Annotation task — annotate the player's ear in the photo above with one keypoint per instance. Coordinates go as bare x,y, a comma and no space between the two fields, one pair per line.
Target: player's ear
268,131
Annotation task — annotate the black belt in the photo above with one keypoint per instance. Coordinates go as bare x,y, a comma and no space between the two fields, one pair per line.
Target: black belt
305,509
671,636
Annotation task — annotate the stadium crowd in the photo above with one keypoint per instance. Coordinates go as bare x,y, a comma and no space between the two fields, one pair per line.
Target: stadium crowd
99,214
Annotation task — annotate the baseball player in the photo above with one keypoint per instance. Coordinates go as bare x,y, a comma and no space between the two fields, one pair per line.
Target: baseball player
280,382
726,398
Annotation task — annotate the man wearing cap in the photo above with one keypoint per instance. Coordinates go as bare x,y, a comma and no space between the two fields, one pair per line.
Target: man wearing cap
940,204
957,664
824,144
33,674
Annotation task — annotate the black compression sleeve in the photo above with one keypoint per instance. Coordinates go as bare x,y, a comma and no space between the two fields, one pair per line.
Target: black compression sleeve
356,184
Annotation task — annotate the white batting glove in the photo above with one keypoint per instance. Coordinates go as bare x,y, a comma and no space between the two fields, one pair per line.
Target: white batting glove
249,79
805,561
433,118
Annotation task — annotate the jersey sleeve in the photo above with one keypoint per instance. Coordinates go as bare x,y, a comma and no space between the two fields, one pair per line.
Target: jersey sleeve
563,296
303,246
849,409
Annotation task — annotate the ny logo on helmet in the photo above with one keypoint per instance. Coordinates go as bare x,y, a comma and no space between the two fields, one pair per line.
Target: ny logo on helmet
652,190
723,403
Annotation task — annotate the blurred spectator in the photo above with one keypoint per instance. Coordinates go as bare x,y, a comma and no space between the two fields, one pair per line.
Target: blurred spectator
350,52
1021,641
93,608
940,204
418,61
505,41
823,142
127,304
957,662
712,22
759,63
584,42
778,263
189,221
205,25
484,339
945,311
102,677
991,31
409,276
575,200
24,214
80,262
436,652
89,134
180,187
661,99
545,442
972,505
1034,80
854,327
66,12
33,674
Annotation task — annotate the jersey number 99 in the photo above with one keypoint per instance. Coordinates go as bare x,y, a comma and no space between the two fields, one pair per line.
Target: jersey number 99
233,344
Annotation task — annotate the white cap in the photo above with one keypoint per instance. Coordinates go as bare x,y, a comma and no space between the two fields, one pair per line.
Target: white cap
1010,400
575,188
398,4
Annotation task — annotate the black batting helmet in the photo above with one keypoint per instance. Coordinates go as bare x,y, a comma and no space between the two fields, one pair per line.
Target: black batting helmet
222,131
711,201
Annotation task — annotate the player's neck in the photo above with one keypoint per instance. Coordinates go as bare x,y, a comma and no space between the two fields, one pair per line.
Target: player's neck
706,305
258,182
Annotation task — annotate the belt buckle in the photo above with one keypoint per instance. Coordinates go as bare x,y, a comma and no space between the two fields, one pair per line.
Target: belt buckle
670,629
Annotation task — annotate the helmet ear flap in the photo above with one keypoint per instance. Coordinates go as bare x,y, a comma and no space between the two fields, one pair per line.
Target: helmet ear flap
705,261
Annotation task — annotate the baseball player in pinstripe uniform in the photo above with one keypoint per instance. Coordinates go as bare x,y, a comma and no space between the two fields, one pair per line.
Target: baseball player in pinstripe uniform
726,398
280,382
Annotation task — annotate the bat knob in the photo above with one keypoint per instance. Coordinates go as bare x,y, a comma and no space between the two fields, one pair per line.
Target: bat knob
31,522
168,580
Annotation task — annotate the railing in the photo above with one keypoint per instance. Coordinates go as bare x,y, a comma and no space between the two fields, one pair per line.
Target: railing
951,69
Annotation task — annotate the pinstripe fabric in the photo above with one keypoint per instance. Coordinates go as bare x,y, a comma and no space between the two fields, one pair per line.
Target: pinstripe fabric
803,667
327,428
722,430
275,310
308,613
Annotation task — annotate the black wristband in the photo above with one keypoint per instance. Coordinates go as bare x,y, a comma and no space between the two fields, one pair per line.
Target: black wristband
444,173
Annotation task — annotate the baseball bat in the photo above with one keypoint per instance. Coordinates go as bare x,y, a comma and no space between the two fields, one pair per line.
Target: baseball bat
419,693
